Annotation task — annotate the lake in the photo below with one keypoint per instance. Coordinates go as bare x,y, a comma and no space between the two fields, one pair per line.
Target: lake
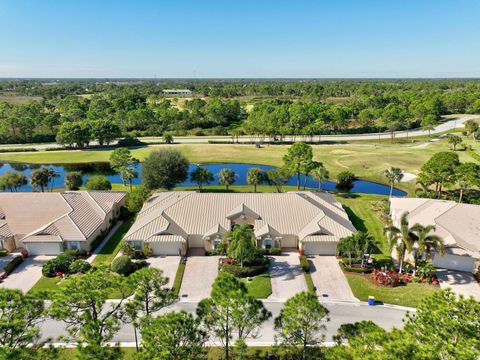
90,169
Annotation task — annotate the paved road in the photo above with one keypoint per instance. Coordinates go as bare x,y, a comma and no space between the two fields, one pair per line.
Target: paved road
340,313
445,126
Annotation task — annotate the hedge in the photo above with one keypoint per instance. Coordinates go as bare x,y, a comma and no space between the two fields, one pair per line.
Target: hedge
347,268
272,251
3,252
13,150
9,267
304,263
246,271
60,264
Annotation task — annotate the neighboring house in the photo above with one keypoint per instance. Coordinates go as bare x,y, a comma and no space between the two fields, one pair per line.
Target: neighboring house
177,92
49,223
173,222
457,224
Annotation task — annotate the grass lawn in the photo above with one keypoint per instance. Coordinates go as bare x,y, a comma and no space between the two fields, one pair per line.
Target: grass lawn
309,281
260,286
364,213
408,295
45,284
112,247
177,282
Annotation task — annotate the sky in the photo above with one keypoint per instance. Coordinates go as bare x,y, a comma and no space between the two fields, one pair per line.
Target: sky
240,38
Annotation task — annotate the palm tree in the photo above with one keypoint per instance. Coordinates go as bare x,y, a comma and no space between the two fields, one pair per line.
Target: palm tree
255,177
393,175
348,245
52,175
366,242
226,176
427,241
402,239
320,174
128,174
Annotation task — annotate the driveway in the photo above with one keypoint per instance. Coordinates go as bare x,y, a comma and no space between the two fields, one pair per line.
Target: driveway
461,283
168,264
200,273
26,274
329,279
286,276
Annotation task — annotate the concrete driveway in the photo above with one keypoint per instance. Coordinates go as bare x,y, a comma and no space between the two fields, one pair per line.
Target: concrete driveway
329,279
168,264
461,283
200,273
286,276
26,274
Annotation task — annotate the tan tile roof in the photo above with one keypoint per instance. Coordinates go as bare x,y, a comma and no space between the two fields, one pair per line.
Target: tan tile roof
217,229
320,238
166,238
71,215
42,238
198,213
457,224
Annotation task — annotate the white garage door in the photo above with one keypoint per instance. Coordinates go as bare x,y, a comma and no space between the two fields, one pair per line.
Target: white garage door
320,248
454,262
44,248
166,248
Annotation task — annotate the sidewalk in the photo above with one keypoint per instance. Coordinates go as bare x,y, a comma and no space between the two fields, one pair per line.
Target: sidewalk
105,241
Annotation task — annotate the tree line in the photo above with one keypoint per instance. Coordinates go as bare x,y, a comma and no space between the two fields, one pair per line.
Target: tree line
103,110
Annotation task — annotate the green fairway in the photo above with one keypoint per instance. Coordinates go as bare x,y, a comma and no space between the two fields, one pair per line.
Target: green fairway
408,295
365,160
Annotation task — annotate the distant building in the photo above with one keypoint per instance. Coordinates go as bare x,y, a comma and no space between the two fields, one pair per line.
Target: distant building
177,92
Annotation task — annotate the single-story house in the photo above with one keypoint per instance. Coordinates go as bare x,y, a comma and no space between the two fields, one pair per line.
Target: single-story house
172,222
458,225
49,223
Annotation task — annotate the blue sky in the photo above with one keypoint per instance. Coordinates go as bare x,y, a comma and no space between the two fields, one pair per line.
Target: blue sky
246,38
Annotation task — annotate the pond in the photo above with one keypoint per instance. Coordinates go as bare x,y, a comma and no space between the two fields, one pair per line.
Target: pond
90,169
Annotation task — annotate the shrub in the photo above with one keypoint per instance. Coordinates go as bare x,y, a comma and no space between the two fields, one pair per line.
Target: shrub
9,267
98,183
246,271
127,249
3,252
129,141
425,270
304,263
380,261
59,264
345,180
359,270
135,199
122,265
137,265
272,251
79,266
147,250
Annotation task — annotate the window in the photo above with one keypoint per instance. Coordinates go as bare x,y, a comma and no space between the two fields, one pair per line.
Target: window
217,241
267,243
137,245
73,245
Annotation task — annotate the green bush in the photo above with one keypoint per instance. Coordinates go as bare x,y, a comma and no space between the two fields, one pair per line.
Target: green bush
272,251
380,261
122,265
3,252
365,270
304,263
147,250
79,266
246,271
61,263
9,267
137,265
98,182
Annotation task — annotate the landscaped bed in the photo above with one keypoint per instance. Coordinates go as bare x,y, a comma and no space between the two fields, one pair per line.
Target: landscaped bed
409,294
